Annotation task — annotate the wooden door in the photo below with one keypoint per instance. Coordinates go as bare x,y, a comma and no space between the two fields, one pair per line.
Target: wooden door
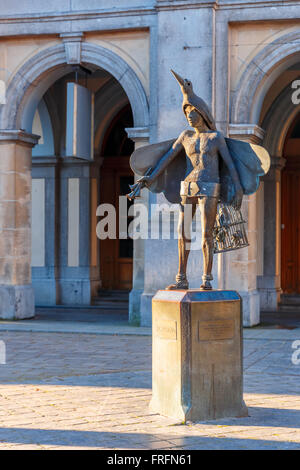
290,220
116,254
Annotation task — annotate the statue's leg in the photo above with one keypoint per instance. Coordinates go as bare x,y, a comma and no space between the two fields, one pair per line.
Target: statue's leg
186,214
208,210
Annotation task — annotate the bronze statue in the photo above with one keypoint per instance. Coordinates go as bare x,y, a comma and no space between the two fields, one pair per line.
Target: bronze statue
203,168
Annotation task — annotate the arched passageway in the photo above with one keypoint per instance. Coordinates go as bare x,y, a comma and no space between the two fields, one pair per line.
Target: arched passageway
279,118
262,111
290,215
116,255
69,263
65,190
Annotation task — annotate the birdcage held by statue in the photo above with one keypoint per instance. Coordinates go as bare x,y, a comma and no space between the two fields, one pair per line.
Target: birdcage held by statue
229,230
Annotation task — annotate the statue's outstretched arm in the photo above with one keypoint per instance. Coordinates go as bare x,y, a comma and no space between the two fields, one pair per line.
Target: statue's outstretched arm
225,154
163,162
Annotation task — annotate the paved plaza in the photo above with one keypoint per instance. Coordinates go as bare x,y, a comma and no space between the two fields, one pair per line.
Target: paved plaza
70,390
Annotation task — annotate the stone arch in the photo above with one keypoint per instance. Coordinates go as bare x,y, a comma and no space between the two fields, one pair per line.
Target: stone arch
31,81
276,124
110,101
260,73
278,120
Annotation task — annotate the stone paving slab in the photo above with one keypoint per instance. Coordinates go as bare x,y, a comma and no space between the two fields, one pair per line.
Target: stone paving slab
41,326
94,324
92,391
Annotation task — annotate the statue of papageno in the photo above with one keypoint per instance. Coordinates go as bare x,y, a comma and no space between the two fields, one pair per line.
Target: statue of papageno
202,167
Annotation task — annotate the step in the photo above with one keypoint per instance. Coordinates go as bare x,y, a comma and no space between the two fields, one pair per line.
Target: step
289,307
119,294
293,300
117,299
114,291
110,299
110,305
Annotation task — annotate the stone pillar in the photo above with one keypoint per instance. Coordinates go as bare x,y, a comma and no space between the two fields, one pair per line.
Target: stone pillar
192,58
140,136
269,280
16,292
95,270
45,200
74,276
238,269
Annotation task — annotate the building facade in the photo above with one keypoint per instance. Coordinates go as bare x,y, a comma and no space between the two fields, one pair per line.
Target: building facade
243,58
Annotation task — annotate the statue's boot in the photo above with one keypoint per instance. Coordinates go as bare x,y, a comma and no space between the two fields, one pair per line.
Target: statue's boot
181,283
206,285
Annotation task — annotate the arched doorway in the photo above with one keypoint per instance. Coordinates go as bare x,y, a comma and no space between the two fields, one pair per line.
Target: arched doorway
262,111
290,215
72,277
75,188
116,255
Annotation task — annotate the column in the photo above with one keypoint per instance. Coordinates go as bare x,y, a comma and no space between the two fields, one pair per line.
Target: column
269,279
45,200
189,50
95,270
238,269
74,270
140,136
16,292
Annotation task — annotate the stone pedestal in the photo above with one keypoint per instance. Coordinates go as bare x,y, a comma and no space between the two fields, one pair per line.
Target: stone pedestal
197,355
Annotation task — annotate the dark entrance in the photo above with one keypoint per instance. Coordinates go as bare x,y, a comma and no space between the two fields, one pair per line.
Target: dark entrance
290,213
115,176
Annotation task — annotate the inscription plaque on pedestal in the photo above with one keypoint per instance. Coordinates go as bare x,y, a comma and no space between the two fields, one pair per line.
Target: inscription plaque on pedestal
197,355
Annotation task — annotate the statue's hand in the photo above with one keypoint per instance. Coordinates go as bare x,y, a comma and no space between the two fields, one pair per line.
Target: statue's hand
145,180
237,200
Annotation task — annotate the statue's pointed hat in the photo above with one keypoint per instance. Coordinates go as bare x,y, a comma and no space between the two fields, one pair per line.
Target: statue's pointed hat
190,98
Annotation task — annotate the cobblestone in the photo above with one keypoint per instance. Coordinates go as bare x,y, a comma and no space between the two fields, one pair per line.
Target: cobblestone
91,391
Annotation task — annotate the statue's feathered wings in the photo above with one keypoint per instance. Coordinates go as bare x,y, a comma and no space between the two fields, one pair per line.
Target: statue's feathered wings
251,161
